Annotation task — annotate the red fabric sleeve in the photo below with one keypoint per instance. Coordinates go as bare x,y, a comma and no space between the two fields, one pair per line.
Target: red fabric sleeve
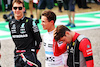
90,63
86,48
58,50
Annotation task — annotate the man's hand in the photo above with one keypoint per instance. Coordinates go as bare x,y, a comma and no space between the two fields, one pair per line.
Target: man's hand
55,34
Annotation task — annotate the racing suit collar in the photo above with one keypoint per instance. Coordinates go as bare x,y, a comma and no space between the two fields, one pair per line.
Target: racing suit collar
75,36
21,18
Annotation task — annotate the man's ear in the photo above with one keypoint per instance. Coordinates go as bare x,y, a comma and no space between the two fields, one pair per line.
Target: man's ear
52,22
67,33
23,9
12,8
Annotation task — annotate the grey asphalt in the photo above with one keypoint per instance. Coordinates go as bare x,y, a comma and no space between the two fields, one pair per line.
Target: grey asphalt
7,48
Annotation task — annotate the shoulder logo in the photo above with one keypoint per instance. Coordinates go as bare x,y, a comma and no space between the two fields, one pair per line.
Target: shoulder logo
88,46
26,20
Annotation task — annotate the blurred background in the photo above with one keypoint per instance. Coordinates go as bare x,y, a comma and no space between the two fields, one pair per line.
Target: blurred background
90,5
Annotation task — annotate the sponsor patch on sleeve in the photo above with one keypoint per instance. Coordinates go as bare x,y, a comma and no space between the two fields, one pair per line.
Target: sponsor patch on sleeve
35,27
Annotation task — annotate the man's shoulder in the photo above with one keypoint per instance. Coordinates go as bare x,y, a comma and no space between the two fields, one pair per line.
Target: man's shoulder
12,21
81,38
28,18
45,35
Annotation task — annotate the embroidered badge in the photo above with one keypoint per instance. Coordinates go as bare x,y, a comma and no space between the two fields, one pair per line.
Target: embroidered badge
88,46
73,43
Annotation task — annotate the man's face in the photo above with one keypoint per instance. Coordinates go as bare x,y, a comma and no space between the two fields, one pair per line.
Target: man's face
45,23
18,10
67,38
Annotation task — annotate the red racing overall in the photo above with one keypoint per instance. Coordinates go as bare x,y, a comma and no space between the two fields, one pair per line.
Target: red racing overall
79,49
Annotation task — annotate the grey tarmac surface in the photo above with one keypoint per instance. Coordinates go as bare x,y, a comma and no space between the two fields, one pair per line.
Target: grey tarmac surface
7,48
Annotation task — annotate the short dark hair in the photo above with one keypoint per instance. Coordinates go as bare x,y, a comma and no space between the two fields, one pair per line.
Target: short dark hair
18,1
60,32
50,15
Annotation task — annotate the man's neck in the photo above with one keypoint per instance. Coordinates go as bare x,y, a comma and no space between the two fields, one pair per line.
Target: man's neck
51,29
18,18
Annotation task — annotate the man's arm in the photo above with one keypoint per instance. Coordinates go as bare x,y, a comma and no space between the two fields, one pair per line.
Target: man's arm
58,50
37,35
86,48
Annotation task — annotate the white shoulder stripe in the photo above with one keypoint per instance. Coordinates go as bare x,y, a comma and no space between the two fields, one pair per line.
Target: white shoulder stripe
80,37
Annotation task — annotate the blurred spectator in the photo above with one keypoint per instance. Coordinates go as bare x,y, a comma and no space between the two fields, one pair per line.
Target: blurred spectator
97,2
60,4
31,8
69,5
9,16
10,5
6,4
82,4
0,5
42,5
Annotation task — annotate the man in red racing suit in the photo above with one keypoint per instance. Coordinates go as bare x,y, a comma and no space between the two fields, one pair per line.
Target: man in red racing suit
79,47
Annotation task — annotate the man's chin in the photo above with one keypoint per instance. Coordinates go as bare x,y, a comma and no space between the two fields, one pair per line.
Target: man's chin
18,15
44,29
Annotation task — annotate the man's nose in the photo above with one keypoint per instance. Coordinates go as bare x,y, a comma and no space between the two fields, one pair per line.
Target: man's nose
17,9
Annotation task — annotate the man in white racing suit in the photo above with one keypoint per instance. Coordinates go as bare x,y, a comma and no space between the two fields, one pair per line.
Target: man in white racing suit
48,19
